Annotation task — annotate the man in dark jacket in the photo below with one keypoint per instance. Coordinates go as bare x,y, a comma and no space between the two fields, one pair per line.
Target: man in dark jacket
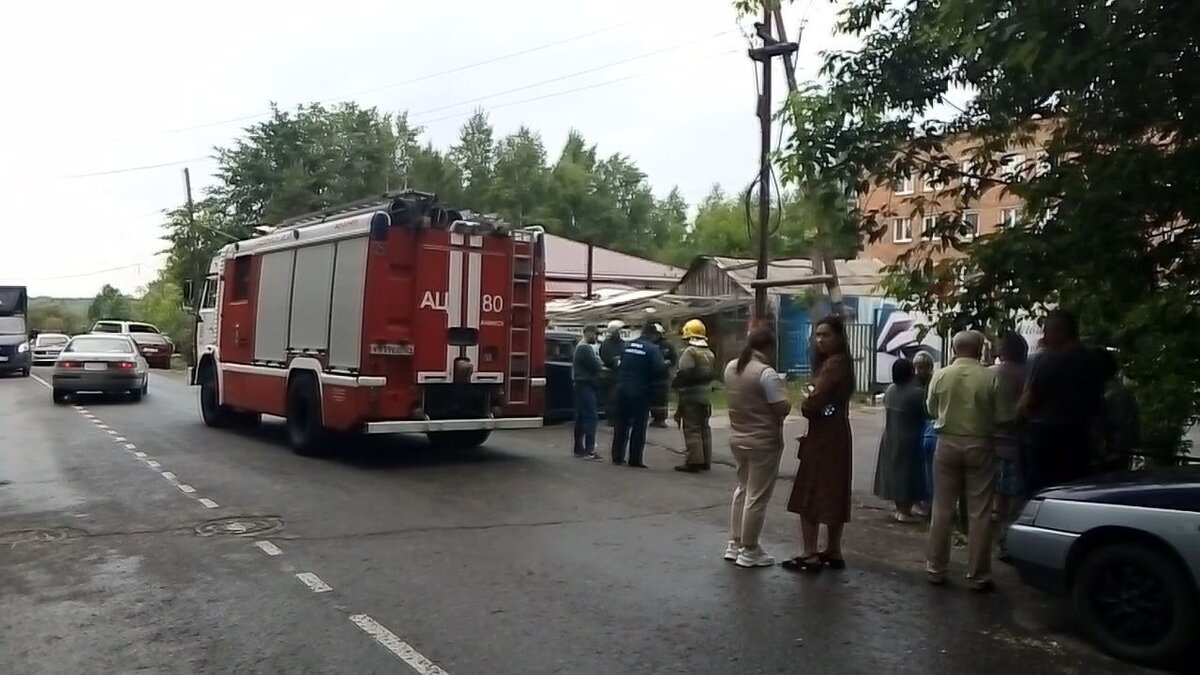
661,389
585,371
610,356
641,366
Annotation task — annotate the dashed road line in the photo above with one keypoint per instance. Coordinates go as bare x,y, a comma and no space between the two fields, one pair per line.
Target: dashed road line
168,475
187,489
112,432
208,503
153,464
268,548
139,454
119,439
392,642
130,446
314,582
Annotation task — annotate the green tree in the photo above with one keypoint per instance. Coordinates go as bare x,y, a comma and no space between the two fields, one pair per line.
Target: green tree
111,303
520,180
1110,92
51,316
298,162
162,305
475,155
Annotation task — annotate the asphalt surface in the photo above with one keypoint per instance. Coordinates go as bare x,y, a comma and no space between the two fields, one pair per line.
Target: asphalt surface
394,558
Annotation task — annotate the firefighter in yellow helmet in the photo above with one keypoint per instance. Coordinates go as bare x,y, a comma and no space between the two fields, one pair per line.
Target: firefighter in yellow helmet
693,382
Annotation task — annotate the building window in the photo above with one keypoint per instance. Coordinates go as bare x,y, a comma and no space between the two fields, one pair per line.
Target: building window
1041,165
968,174
928,223
241,278
1010,217
1012,167
929,183
971,222
902,230
906,186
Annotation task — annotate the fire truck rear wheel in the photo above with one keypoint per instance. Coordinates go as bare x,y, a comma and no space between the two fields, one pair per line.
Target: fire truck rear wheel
459,440
306,434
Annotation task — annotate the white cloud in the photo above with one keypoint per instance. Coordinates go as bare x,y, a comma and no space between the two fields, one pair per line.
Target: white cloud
91,87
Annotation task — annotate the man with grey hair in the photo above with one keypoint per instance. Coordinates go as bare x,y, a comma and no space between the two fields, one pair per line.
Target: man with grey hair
965,403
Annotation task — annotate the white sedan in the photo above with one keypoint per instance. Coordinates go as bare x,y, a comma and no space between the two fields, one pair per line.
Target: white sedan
104,364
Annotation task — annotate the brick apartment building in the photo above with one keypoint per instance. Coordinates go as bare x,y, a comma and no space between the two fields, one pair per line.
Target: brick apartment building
906,220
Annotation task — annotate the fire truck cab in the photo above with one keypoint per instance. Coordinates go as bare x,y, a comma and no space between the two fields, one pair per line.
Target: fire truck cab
387,315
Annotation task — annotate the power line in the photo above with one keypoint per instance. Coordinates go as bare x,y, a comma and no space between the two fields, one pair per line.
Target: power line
92,273
578,73
420,78
129,169
561,93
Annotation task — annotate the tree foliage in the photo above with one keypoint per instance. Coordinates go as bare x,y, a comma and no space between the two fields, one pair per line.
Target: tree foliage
111,303
1110,91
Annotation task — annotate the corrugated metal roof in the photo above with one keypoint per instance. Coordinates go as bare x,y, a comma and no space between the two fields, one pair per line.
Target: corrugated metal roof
858,277
633,307
566,260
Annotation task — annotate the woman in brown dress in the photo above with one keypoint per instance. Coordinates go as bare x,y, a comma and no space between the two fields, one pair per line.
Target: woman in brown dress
821,492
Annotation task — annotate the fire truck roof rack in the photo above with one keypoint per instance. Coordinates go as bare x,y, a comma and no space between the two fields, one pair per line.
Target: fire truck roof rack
385,202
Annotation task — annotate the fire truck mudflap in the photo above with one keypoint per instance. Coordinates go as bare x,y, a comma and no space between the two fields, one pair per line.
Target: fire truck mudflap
384,316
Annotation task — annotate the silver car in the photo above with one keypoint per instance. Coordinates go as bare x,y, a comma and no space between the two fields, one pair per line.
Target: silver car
47,346
105,364
1125,551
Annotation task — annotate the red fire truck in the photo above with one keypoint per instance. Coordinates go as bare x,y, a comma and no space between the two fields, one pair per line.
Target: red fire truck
387,315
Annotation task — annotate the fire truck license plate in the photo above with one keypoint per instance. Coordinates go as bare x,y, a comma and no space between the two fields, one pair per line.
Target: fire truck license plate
392,350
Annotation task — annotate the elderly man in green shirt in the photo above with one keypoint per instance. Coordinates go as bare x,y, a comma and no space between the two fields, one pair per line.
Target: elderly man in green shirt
966,406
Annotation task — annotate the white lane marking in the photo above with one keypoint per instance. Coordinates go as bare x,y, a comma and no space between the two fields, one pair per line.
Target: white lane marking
44,383
101,425
208,503
153,464
130,446
168,475
395,645
314,582
268,548
112,432
139,454
89,415
119,439
187,489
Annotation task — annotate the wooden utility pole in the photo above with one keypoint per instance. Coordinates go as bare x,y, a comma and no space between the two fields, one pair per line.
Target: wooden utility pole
823,265
194,263
770,49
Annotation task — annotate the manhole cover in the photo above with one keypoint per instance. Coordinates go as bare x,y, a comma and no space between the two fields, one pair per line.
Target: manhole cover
239,526
37,536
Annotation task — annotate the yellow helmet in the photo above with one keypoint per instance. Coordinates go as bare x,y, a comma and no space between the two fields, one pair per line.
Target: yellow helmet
694,329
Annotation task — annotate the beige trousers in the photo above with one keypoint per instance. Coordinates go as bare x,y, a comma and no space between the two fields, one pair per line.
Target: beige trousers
757,471
962,465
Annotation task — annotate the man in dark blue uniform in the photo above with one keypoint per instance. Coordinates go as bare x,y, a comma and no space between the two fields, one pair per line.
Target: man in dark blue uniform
642,364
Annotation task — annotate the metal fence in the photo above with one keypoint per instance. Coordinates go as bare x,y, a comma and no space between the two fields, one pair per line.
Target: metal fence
794,341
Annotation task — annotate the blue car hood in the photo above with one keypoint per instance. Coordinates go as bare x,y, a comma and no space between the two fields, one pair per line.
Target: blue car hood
1176,488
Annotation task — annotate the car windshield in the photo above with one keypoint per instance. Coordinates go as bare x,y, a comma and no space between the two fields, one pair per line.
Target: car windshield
142,328
100,345
12,325
106,328
51,340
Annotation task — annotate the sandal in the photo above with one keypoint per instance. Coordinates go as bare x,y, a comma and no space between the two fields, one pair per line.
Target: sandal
838,563
810,564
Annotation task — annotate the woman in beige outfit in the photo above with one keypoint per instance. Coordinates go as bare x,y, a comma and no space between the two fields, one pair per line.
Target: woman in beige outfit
757,406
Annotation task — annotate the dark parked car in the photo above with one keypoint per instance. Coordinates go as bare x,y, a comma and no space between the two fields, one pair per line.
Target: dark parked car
1125,550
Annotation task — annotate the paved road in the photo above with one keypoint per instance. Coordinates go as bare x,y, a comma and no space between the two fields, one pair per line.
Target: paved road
392,558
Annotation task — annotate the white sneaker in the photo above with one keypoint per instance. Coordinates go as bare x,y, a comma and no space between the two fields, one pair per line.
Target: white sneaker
754,558
732,550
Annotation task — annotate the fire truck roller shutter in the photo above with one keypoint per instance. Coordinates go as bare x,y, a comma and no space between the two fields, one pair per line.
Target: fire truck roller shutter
274,306
312,289
345,328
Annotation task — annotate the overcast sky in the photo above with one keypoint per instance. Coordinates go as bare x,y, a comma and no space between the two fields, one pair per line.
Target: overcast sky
102,87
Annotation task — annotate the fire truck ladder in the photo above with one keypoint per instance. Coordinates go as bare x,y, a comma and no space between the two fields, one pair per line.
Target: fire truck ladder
520,328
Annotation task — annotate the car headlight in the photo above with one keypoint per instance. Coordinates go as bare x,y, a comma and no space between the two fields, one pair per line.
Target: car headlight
23,347
1030,512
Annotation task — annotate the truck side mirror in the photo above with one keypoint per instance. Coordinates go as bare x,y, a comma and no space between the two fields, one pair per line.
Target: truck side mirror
187,294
